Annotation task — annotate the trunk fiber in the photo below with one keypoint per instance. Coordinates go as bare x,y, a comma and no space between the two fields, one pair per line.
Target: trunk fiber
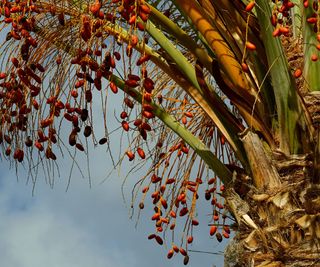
278,217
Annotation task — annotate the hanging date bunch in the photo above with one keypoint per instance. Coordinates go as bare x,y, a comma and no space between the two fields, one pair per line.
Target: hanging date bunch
66,60
174,194
22,89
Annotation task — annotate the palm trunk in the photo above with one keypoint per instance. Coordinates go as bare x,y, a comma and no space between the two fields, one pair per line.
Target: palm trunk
279,217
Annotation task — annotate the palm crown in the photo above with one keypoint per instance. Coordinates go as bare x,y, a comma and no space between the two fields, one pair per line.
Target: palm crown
235,81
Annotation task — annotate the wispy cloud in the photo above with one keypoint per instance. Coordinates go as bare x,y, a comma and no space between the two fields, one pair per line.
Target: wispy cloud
80,228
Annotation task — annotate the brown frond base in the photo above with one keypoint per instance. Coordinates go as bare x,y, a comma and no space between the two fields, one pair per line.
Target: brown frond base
280,226
312,101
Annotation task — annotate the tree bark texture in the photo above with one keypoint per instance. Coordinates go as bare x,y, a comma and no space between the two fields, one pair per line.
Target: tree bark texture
278,219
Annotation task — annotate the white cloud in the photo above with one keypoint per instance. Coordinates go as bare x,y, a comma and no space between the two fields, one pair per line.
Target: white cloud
38,236
83,227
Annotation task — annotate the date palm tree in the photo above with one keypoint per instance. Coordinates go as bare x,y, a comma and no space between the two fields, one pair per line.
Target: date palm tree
224,89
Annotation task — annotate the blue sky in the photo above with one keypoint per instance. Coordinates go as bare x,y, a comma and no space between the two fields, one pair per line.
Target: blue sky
79,228
84,226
